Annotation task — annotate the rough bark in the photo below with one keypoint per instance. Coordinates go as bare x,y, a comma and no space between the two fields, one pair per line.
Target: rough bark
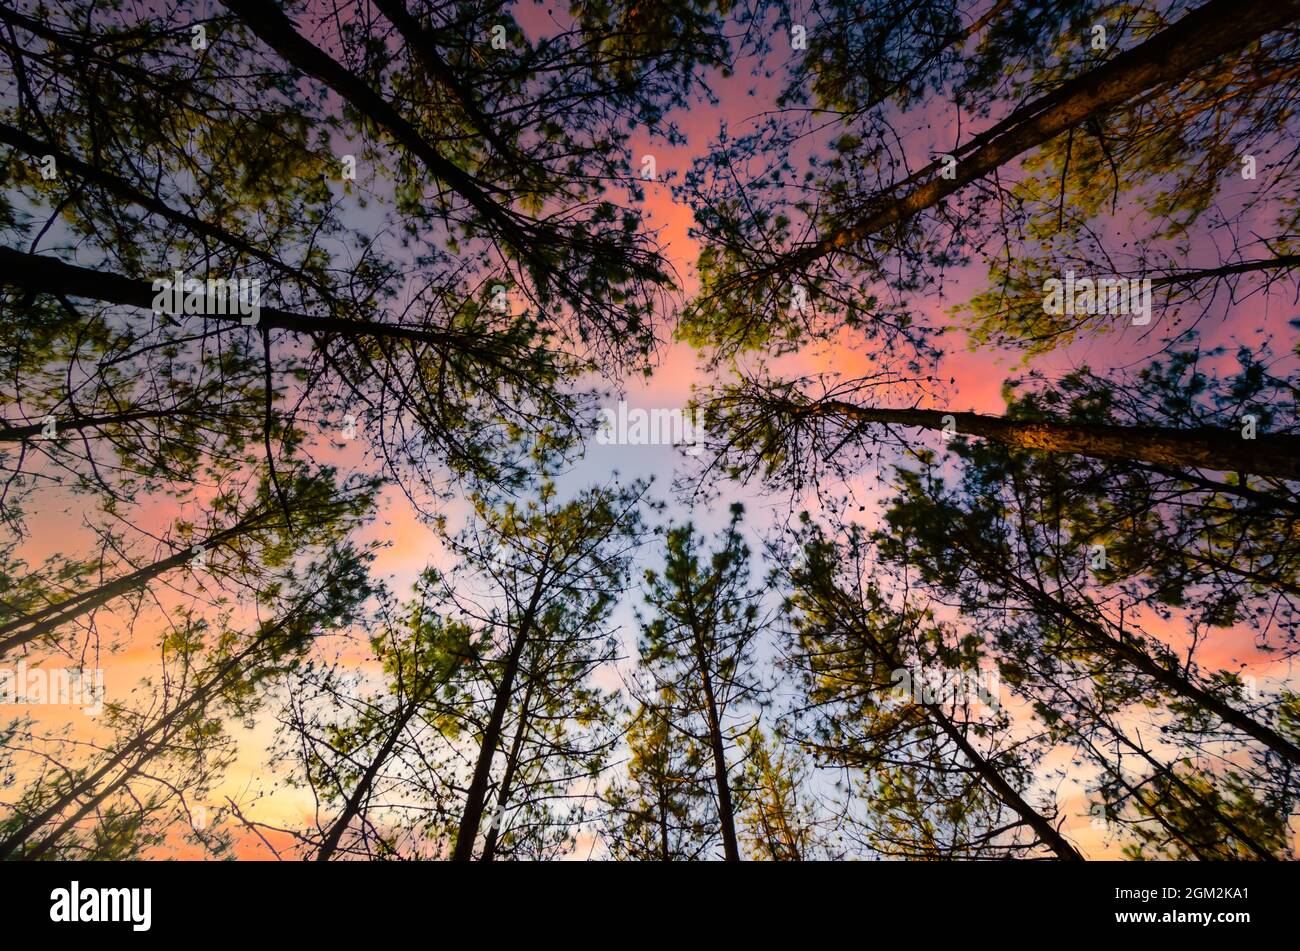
1208,447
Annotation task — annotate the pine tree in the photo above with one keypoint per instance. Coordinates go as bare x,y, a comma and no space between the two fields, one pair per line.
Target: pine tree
697,649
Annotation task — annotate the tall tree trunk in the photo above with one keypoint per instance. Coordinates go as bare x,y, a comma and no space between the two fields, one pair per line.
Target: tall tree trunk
42,274
47,619
1202,446
353,806
726,814
477,793
1202,36
141,743
1124,650
1045,831
508,777
664,852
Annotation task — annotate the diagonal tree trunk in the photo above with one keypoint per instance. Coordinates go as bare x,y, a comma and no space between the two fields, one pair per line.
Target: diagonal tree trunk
69,823
1046,832
278,32
1167,771
987,771
77,423
472,816
125,190
1282,262
1209,447
508,777
31,626
423,44
353,806
42,274
1202,36
143,744
992,564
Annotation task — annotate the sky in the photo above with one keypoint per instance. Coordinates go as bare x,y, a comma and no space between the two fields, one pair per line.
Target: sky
977,377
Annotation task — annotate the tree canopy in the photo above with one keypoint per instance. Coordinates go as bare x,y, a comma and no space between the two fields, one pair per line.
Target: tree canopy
343,346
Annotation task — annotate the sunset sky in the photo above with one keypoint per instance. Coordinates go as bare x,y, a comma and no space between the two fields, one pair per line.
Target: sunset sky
969,379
